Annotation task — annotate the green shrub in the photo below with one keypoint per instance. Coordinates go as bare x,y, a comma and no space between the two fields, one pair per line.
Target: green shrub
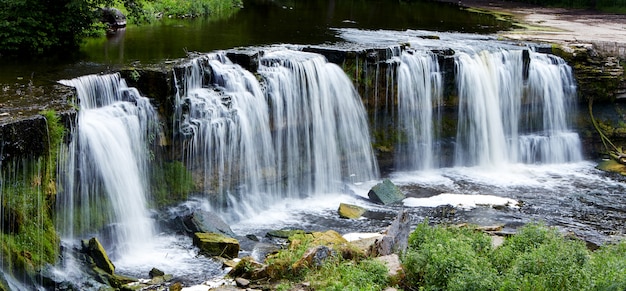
148,10
555,265
442,258
528,238
608,267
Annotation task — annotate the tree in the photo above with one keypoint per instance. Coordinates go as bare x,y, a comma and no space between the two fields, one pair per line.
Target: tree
36,27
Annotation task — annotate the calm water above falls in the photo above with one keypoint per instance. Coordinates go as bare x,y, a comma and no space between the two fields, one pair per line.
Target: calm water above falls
260,22
270,22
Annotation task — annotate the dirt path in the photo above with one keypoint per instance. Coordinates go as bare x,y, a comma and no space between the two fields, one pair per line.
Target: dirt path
607,32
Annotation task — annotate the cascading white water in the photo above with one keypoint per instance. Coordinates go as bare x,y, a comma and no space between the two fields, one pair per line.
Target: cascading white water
319,123
504,119
105,182
229,135
419,99
306,133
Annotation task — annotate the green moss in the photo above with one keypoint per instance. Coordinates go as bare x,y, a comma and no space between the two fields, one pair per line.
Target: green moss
172,183
336,273
32,241
56,133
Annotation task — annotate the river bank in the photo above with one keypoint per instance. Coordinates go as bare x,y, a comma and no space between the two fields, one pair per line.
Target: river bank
605,31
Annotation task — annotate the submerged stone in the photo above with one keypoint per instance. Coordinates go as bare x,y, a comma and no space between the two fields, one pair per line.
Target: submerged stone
214,244
386,193
350,211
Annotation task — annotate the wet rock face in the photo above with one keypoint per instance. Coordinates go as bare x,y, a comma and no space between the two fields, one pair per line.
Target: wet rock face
23,131
23,138
600,77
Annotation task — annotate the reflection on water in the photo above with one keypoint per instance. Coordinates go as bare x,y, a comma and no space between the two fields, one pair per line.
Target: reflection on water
269,22
260,22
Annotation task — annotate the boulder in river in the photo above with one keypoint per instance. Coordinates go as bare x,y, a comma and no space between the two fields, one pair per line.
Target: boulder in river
113,17
99,256
350,211
204,221
386,193
215,244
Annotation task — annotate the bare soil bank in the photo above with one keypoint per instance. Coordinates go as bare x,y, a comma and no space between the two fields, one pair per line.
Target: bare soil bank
607,32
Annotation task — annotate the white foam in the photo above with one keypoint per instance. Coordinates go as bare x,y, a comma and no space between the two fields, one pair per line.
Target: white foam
465,201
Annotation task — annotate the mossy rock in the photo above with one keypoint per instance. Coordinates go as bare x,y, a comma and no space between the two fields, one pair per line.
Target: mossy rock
99,255
329,237
350,211
612,166
214,244
386,193
284,233
248,268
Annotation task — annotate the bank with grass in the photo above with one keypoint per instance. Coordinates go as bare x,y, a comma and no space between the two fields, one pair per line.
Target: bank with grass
442,257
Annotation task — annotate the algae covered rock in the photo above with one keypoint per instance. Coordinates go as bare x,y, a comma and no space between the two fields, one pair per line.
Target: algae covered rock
386,193
98,254
350,211
314,257
284,233
214,244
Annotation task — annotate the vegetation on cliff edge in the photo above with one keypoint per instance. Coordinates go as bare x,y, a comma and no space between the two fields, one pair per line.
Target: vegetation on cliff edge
38,27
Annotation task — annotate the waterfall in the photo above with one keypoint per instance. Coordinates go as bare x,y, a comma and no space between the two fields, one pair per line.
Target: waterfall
319,121
503,118
105,180
419,100
302,131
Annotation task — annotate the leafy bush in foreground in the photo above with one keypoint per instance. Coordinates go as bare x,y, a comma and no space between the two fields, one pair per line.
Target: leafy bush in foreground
536,258
336,273
449,259
460,258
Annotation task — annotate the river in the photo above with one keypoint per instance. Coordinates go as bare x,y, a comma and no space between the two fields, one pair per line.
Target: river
283,146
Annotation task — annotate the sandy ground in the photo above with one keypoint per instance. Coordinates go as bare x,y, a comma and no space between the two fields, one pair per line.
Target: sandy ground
570,26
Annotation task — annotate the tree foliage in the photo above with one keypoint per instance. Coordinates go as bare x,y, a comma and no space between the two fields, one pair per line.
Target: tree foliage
33,27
